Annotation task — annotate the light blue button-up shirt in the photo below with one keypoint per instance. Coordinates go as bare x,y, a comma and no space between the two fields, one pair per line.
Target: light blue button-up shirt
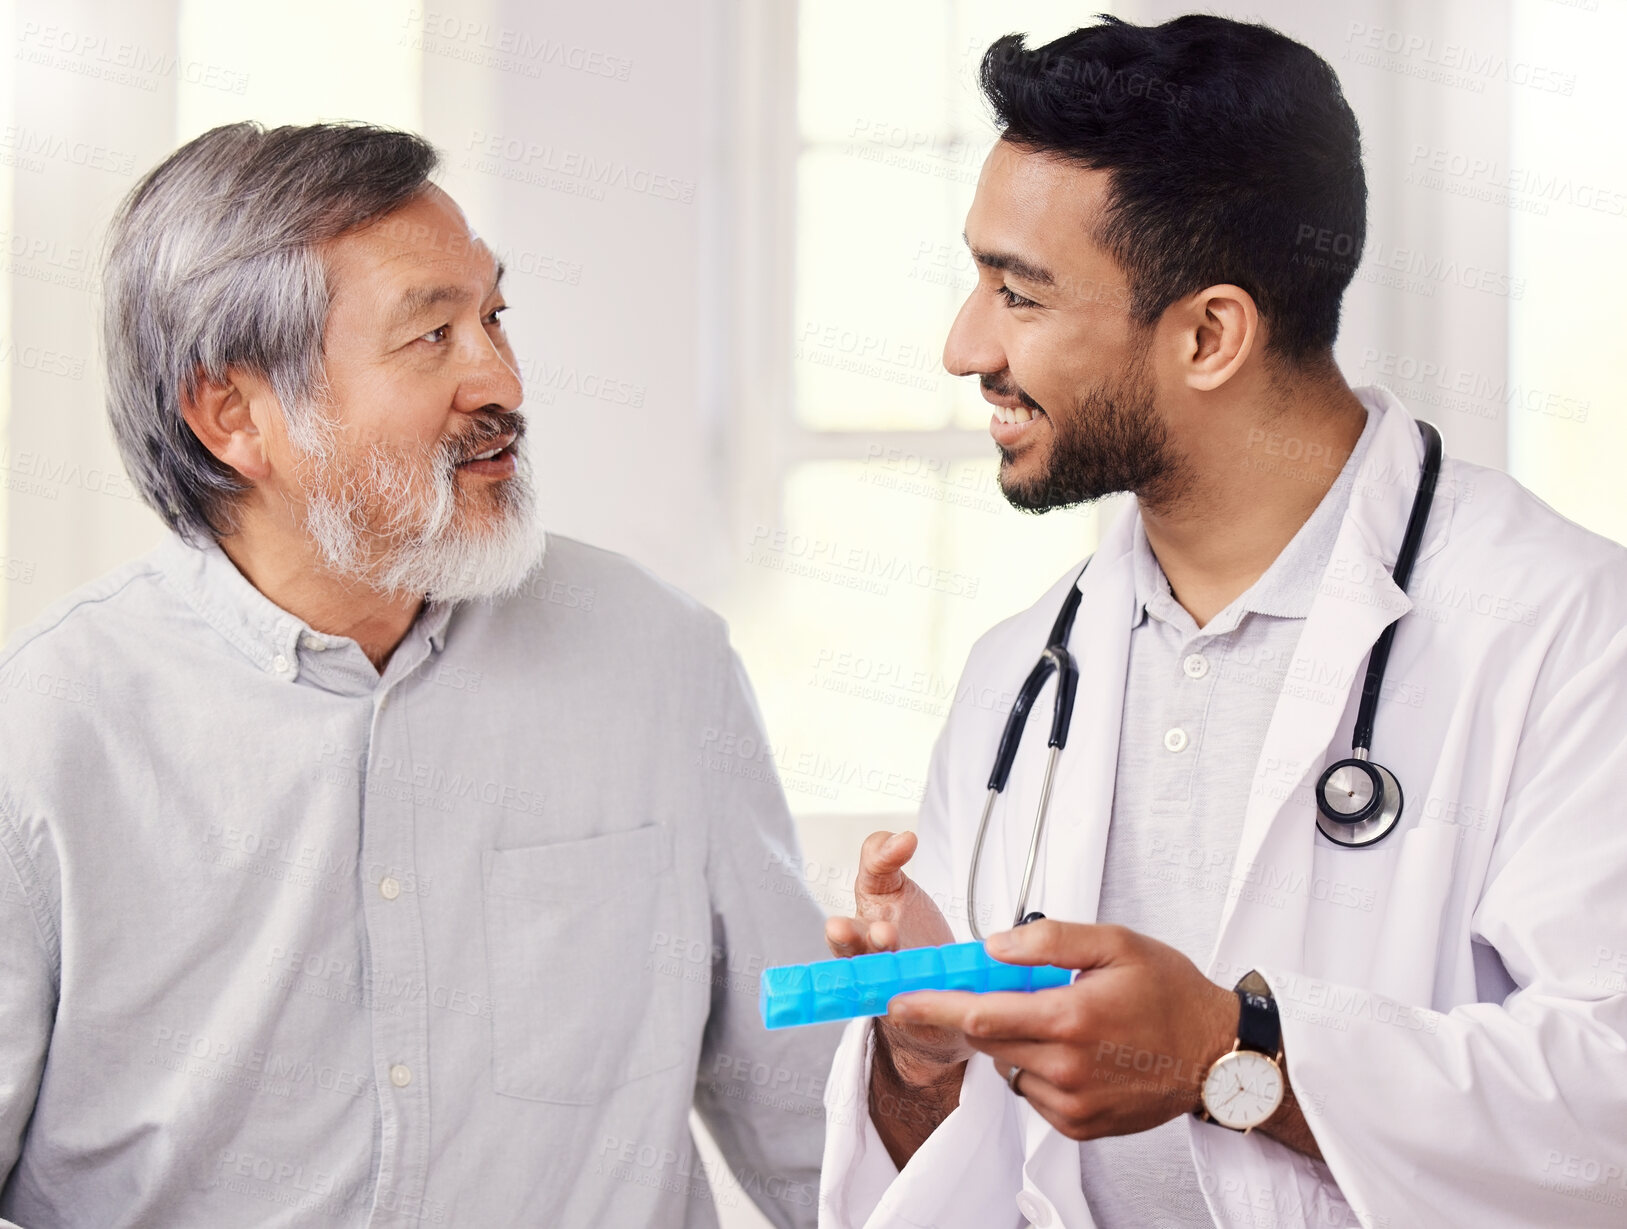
284,941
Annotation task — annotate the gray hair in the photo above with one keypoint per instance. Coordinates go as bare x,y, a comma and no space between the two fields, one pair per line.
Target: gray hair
211,263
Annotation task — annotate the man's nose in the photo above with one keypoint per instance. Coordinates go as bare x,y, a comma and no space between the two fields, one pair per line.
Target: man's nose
490,377
973,345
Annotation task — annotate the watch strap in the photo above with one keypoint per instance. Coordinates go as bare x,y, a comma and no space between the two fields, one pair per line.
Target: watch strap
1258,1026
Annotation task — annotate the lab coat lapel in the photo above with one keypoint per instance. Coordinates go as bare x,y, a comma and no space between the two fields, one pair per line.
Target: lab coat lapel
1355,601
1069,878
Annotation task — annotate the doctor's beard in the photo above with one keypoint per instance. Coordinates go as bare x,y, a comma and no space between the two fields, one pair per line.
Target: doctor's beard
1110,439
399,520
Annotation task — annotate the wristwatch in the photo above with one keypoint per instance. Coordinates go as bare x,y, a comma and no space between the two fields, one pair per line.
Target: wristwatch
1244,1086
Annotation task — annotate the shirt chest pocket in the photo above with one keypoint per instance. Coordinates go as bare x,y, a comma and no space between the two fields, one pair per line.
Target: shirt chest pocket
577,1009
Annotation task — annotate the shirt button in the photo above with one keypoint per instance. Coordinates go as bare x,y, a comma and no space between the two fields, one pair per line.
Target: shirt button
400,1076
1196,666
1034,1210
1175,740
389,887
280,664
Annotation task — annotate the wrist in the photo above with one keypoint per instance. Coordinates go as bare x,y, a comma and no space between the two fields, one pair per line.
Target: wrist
1244,1087
900,1063
1219,1014
907,1106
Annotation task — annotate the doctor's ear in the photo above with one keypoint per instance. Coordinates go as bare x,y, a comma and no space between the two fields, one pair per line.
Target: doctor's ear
1213,331
222,414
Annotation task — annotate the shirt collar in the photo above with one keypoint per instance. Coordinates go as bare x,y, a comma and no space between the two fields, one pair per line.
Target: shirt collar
1288,587
277,642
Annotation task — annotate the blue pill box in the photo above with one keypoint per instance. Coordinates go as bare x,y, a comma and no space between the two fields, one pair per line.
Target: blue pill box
795,994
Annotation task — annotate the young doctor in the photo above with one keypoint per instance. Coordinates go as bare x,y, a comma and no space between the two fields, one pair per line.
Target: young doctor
1387,992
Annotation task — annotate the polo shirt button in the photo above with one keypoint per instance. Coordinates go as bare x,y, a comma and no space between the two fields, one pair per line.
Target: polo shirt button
280,664
1175,739
1196,666
400,1076
389,887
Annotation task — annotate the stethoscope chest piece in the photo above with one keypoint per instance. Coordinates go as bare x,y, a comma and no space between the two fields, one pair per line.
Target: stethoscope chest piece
1358,802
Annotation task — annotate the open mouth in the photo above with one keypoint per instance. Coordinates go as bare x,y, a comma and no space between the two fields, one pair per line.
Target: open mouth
1013,414
502,446
1011,425
496,459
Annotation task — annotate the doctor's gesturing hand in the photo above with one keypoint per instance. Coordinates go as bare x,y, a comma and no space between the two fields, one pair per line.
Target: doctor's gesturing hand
916,1072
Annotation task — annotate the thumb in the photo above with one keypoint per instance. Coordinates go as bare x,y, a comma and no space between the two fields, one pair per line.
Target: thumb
1068,945
881,862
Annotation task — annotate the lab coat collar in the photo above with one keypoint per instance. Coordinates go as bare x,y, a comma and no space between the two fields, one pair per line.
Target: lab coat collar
1355,601
1288,587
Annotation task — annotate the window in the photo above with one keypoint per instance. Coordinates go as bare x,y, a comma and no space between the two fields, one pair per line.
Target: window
884,546
1566,183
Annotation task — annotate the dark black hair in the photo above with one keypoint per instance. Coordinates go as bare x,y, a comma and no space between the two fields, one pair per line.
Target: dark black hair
1232,153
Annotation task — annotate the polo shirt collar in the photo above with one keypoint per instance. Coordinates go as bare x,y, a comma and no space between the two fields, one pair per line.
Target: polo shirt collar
1286,589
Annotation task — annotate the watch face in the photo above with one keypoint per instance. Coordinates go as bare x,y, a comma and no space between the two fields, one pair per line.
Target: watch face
1242,1089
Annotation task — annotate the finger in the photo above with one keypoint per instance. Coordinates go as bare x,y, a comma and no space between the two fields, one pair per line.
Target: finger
1064,1110
1059,1067
1038,1016
1031,1084
1070,945
883,937
845,936
881,862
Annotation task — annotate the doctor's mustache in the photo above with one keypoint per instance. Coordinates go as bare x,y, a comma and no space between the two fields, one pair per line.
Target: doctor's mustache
1004,386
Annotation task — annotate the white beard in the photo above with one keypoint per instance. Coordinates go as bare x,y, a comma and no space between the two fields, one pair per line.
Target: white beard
405,548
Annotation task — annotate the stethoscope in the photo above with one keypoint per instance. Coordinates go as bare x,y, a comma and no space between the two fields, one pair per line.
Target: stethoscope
1358,802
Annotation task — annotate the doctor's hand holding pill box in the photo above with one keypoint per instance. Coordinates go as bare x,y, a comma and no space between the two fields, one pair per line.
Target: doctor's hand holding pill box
1063,1045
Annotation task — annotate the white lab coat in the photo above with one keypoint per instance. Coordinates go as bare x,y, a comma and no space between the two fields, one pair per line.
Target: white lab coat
1452,998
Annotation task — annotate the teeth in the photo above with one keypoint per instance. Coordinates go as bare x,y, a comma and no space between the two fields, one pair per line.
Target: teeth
1013,414
486,456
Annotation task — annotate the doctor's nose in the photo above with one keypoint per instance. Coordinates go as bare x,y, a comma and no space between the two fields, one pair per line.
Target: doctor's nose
972,347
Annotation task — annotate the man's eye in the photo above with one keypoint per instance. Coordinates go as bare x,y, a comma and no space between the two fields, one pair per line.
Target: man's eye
492,318
439,334
1013,299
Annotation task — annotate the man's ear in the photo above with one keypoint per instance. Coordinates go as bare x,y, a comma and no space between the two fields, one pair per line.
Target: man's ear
222,415
1216,330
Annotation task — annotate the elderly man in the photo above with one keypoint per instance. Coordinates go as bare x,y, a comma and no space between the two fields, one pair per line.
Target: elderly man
394,873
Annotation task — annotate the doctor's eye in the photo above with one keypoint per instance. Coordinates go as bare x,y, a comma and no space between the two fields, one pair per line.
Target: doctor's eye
439,334
1013,299
493,316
